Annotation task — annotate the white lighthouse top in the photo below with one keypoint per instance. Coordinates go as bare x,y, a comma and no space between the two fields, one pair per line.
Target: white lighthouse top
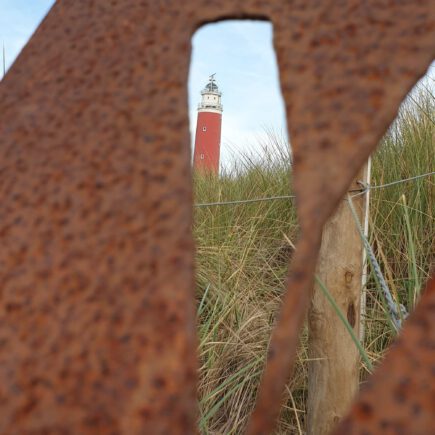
211,97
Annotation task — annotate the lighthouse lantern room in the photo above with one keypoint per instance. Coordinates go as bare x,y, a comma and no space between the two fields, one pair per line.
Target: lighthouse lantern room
208,129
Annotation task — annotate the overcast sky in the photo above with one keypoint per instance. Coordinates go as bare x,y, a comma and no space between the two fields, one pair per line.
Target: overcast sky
240,53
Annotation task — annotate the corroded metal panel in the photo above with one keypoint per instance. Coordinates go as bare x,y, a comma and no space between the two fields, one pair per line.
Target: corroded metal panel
400,397
97,319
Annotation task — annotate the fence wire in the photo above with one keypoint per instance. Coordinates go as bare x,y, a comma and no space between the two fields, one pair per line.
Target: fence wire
366,187
397,311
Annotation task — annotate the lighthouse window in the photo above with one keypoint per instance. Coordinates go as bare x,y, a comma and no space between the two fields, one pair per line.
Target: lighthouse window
201,156
204,128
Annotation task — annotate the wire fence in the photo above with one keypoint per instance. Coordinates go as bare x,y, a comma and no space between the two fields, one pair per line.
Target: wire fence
365,187
397,311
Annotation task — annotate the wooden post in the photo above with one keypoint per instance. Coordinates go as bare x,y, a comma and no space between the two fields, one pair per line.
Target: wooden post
333,373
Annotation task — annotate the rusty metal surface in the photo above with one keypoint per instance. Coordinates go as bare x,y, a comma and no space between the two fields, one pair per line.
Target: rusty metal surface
400,397
345,66
96,266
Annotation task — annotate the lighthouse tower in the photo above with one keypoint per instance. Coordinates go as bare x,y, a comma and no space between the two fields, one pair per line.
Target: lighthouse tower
208,129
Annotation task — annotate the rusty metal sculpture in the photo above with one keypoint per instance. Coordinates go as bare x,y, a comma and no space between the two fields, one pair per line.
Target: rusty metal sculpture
399,397
96,267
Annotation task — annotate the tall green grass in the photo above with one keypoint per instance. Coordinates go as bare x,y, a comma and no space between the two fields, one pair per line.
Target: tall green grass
243,252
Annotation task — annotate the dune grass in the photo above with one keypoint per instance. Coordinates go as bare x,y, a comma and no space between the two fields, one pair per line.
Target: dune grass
243,252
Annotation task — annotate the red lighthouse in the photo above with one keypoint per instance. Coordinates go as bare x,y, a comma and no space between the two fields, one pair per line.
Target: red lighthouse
208,129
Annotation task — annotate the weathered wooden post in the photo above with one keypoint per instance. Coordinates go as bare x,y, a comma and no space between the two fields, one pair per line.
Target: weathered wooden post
334,359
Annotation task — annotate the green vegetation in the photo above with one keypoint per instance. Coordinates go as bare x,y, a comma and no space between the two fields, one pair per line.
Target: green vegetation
243,252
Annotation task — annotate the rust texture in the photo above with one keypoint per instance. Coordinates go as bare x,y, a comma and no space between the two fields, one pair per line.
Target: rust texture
97,318
400,397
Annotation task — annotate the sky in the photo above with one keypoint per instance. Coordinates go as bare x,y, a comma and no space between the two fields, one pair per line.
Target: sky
239,52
